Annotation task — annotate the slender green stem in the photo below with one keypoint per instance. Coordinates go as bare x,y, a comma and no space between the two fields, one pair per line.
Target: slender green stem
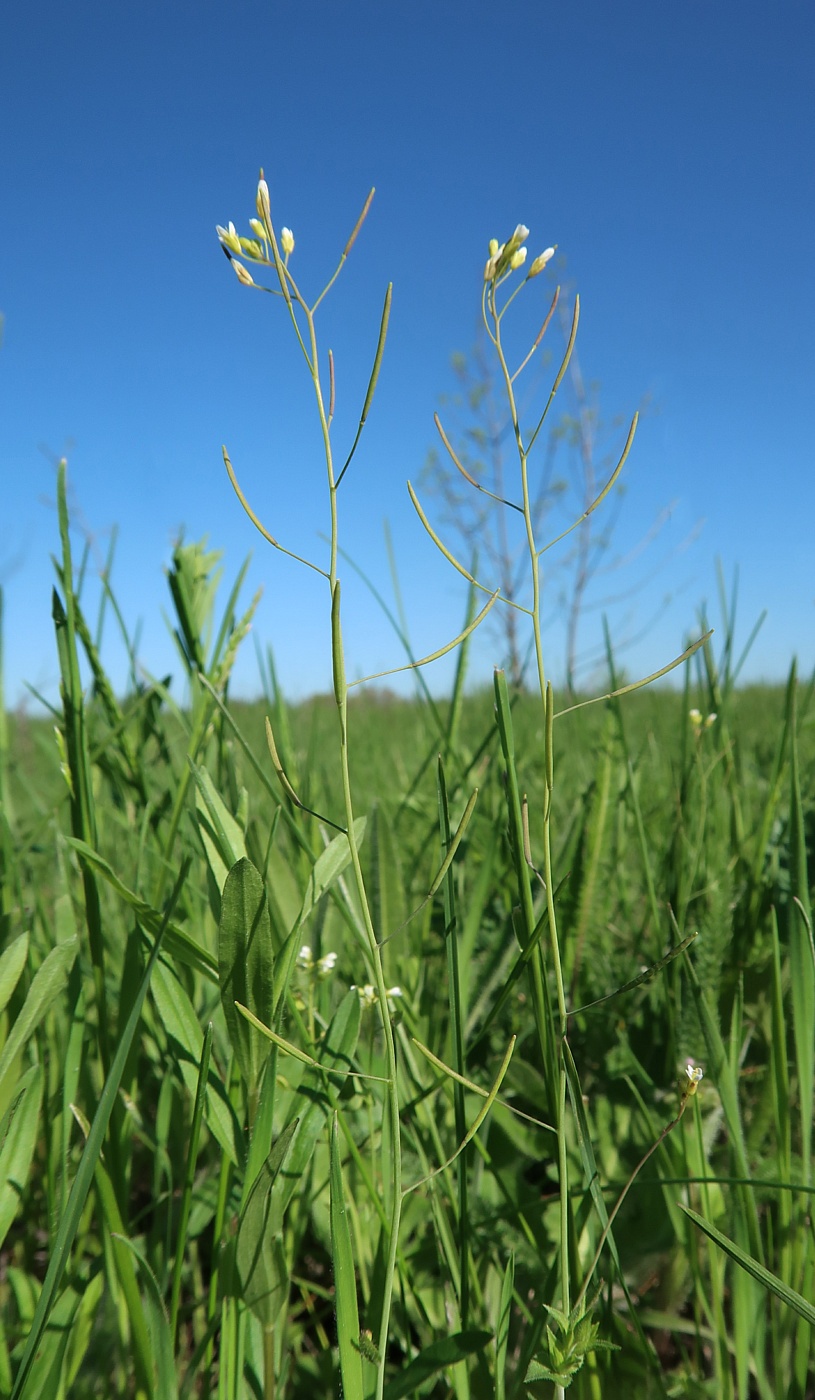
393,1149
548,708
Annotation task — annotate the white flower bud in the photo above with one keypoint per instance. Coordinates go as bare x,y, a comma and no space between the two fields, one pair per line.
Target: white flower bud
287,241
540,262
242,274
262,204
518,258
229,237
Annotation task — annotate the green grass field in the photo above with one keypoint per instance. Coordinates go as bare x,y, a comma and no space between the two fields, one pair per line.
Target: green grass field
660,829
387,1048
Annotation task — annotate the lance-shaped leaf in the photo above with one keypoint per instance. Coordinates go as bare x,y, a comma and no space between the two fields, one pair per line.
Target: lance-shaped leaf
259,1254
245,964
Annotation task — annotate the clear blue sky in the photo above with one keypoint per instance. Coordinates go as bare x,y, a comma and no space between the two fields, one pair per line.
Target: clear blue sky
666,150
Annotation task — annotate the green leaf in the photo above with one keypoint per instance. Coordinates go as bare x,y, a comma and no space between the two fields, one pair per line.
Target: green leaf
502,1333
259,1253
221,835
72,1214
11,965
183,1028
446,1352
752,1266
44,1378
802,972
336,1053
19,1136
246,965
345,1287
158,1324
176,942
329,865
47,983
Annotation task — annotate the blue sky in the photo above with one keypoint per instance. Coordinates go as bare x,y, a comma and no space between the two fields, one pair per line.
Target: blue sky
666,150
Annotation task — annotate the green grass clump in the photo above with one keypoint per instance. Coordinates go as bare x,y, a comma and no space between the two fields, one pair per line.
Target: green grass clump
358,1045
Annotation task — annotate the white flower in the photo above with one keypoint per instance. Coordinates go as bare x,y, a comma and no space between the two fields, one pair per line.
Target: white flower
695,1074
520,235
287,241
229,237
305,958
518,258
366,994
326,965
369,997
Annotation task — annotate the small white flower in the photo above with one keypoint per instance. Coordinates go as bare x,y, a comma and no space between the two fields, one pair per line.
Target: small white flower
518,258
695,717
520,235
369,997
229,237
257,227
326,965
695,1074
366,994
305,958
287,241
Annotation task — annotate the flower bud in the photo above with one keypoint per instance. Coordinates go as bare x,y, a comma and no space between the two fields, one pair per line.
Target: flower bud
257,227
229,237
494,248
262,204
540,262
287,241
518,258
242,274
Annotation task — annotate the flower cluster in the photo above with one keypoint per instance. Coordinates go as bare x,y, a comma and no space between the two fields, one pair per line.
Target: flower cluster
321,969
701,722
369,996
508,257
257,248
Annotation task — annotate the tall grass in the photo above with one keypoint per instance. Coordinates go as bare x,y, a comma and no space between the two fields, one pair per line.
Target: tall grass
383,1074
